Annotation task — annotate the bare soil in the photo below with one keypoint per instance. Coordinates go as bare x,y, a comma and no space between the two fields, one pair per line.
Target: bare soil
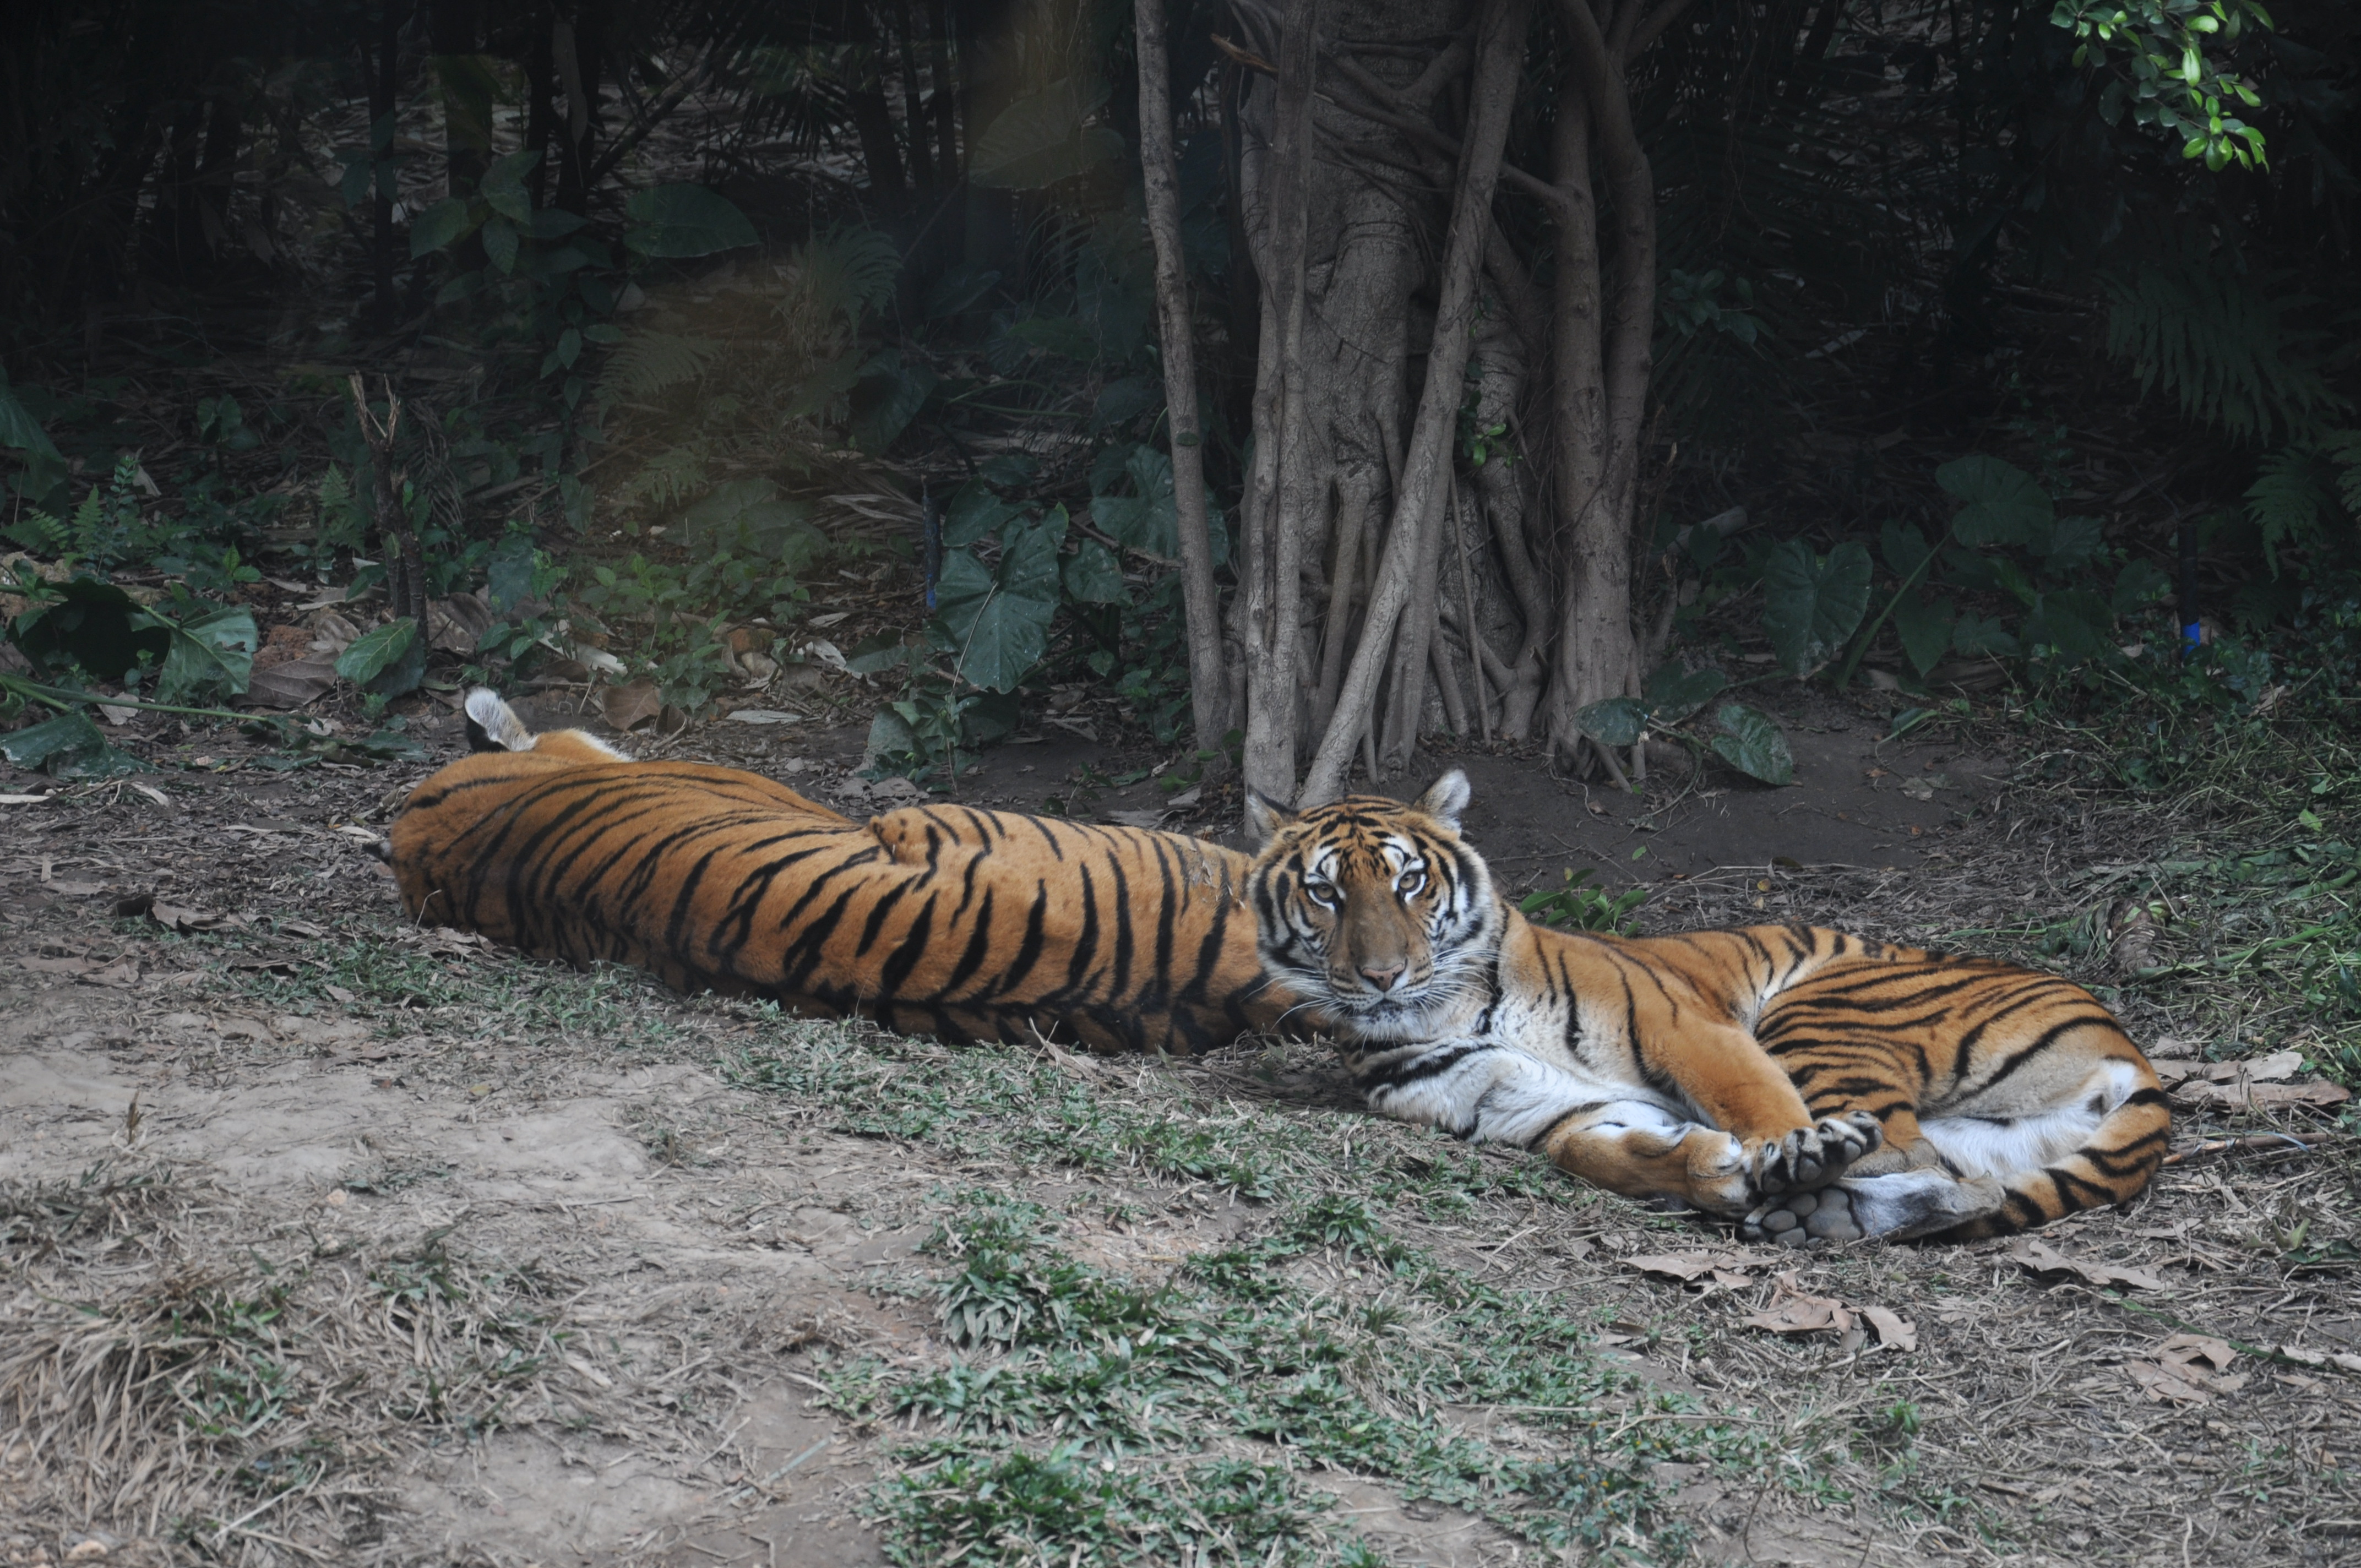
511,1267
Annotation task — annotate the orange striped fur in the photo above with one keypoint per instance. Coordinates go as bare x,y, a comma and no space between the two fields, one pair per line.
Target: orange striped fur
937,919
1805,1082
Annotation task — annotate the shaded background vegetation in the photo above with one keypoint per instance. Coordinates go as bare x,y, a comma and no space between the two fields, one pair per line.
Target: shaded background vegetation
693,306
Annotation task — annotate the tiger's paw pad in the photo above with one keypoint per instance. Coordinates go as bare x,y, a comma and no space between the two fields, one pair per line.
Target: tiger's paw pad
1801,1218
1813,1157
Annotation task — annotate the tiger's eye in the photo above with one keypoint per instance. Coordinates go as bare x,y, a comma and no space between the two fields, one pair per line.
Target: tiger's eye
1411,881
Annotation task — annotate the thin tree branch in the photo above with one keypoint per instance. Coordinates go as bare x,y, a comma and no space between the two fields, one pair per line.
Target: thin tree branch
1208,688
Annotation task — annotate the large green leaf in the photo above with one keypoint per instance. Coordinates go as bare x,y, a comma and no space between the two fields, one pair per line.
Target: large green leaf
976,513
389,660
1673,693
2075,621
95,625
1044,138
1811,606
997,620
1925,629
2003,504
1618,722
887,399
2072,541
19,430
507,577
1976,635
68,747
2139,585
210,658
1092,576
503,187
1753,744
1904,547
439,224
680,221
1145,520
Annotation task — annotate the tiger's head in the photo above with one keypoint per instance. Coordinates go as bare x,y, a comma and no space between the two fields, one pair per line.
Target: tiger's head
1373,911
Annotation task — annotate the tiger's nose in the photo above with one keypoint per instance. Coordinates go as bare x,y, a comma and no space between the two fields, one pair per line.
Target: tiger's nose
1381,978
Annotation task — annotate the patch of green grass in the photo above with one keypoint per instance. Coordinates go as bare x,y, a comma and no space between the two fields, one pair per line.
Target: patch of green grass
1079,1388
979,1100
506,994
1067,1505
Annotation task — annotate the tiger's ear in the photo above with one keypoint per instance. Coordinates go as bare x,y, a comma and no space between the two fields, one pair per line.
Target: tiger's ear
1265,817
1446,798
493,726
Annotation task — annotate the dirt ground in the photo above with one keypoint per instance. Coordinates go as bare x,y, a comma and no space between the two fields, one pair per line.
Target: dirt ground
333,1240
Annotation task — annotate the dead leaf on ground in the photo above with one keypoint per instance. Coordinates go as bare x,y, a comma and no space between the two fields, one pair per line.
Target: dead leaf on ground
2250,1096
2040,1258
1690,1265
291,684
457,624
1136,818
2189,1369
173,917
2259,1070
631,705
1794,1310
333,632
2344,1360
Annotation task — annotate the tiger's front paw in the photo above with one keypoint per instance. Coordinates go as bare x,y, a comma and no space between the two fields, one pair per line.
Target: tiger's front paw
1813,1157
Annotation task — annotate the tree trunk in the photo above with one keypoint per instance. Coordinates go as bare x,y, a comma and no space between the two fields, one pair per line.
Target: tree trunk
1339,322
1603,358
384,82
872,121
1426,468
1287,474
1208,686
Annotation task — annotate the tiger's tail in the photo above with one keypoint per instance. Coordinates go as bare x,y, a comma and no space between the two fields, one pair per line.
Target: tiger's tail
2112,1166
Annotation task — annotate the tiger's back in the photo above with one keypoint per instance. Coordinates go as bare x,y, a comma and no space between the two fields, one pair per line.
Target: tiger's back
938,919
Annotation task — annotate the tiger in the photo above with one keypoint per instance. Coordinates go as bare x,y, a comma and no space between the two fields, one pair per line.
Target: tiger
938,919
1808,1084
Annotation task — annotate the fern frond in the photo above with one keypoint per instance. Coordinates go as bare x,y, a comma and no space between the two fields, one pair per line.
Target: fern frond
647,363
2218,342
848,272
40,533
2343,450
669,478
2289,503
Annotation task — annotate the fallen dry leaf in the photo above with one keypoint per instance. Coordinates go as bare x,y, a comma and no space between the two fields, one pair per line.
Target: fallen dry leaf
2040,1258
2262,1096
290,685
1689,1266
2256,1070
173,917
1892,1328
2344,1360
629,705
457,624
1794,1310
2175,1375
